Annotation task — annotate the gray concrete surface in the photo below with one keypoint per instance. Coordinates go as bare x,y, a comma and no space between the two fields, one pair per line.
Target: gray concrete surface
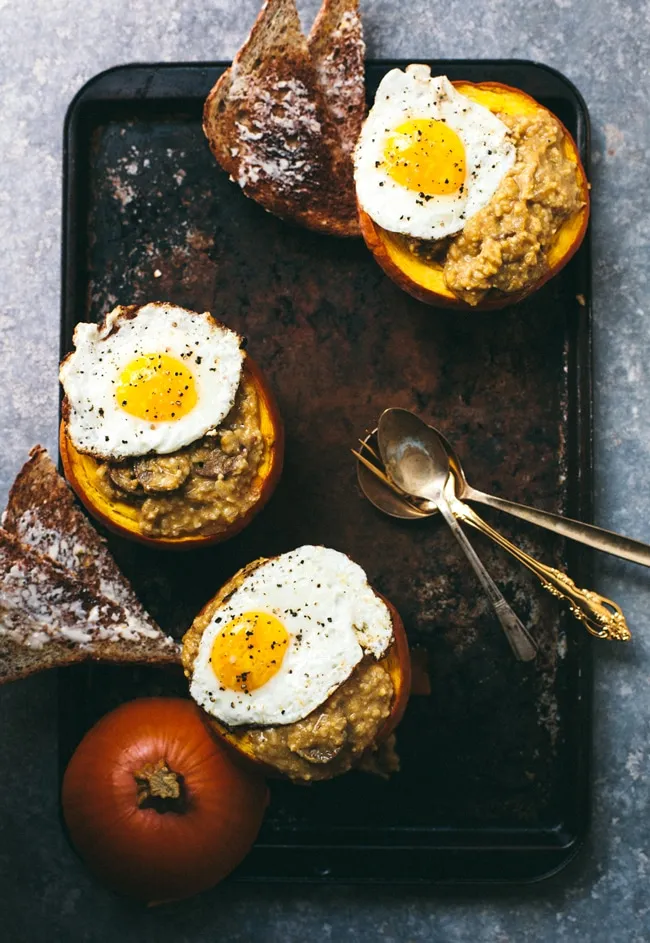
48,49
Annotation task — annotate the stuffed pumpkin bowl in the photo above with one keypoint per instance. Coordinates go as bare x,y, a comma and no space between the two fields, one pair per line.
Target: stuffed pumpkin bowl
470,196
301,666
170,434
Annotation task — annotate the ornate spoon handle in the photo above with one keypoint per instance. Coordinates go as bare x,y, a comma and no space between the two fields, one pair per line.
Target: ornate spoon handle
602,617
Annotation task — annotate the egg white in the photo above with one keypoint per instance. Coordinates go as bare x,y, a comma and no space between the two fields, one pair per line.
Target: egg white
488,152
333,618
90,374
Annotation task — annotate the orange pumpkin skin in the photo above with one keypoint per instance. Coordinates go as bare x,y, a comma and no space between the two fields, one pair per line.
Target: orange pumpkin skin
397,662
144,853
119,518
425,281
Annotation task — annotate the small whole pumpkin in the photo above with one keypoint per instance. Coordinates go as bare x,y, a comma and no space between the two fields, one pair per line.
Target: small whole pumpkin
155,807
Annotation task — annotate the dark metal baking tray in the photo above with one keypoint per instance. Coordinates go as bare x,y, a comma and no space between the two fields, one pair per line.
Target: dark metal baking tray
495,762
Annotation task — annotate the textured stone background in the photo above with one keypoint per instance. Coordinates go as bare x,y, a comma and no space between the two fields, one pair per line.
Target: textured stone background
48,49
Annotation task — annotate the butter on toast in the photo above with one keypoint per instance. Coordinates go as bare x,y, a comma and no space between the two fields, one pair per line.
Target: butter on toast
42,512
63,598
49,618
268,124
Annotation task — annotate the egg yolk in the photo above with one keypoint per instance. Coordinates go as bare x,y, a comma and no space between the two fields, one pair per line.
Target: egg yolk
156,387
426,156
249,651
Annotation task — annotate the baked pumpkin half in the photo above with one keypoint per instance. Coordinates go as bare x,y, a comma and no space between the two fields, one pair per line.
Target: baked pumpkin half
211,486
532,224
286,683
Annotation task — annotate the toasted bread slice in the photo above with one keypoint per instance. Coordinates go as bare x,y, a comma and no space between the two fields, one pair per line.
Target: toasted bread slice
338,53
268,126
43,514
49,618
63,599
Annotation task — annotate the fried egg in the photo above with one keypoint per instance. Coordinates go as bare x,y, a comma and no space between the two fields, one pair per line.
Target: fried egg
149,380
428,158
288,637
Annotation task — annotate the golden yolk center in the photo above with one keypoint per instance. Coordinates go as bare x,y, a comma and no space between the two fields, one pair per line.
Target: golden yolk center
156,387
426,156
249,651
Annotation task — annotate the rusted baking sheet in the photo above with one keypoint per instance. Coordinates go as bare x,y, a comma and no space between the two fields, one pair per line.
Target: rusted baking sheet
494,780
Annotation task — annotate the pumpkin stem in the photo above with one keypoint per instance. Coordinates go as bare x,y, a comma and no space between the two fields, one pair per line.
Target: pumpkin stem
158,787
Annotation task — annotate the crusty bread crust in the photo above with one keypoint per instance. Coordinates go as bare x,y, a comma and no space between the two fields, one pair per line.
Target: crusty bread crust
268,125
18,661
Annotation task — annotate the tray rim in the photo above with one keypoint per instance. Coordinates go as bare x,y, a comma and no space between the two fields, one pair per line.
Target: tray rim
97,90
88,86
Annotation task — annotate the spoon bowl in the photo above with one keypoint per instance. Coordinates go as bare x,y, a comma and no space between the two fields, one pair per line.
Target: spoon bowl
415,458
384,497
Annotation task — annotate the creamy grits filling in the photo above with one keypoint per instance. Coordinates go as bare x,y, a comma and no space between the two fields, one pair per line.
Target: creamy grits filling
504,246
201,489
334,737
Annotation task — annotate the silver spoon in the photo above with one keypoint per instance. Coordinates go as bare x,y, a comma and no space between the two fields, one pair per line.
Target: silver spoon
418,464
596,537
601,616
